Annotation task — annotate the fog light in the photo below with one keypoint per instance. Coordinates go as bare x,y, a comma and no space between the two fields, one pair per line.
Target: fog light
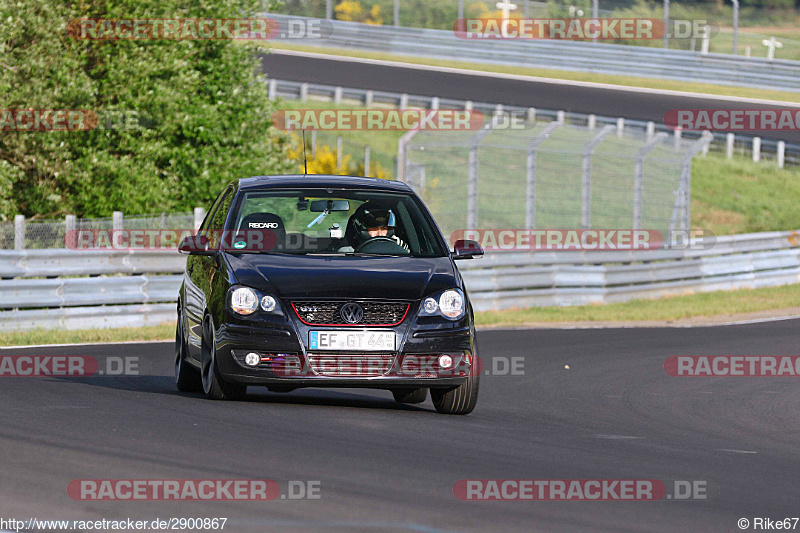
445,361
252,359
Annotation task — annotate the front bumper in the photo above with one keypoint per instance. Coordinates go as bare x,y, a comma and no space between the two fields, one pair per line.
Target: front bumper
287,363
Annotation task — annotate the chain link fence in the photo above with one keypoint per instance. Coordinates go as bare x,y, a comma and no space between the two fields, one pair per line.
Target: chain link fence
52,233
553,176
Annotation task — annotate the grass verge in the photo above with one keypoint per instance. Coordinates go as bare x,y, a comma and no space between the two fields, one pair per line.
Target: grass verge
628,81
718,304
81,336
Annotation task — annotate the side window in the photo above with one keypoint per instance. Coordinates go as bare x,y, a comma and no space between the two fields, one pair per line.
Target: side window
217,221
211,211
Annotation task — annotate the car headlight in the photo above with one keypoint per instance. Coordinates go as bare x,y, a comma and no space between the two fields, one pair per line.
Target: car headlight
244,301
449,304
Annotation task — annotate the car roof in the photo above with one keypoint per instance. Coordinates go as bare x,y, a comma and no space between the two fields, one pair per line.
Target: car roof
321,181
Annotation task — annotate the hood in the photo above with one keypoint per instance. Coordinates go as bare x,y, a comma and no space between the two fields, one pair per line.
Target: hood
392,278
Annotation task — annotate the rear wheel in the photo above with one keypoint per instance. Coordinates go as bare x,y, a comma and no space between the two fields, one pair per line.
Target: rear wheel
213,385
460,400
187,378
410,395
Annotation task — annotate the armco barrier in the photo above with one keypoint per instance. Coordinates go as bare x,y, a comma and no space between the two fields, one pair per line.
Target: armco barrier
135,288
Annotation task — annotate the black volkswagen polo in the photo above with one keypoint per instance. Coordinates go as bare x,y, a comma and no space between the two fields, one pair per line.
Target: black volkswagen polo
325,281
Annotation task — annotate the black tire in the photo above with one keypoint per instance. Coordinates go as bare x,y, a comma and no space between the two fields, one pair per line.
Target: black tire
187,378
410,395
460,400
213,385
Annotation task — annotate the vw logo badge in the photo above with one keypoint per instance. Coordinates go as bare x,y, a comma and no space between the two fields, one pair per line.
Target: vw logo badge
352,313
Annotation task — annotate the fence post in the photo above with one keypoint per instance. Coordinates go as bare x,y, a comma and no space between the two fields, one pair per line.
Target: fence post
396,14
729,139
313,142
199,215
468,105
116,220
19,232
530,174
337,95
677,138
369,96
435,103
756,149
366,161
620,127
339,152
638,177
781,153
591,122
472,181
586,179
70,237
303,92
328,9
561,117
651,129
531,114
273,89
403,101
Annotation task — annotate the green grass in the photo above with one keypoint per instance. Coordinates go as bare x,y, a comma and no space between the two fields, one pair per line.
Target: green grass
739,196
81,336
710,304
628,81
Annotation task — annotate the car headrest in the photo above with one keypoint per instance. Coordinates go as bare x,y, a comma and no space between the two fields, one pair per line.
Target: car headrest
267,223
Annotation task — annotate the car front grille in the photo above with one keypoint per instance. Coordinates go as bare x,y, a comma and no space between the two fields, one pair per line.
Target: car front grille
346,365
328,313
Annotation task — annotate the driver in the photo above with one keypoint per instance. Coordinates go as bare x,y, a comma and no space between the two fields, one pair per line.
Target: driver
371,221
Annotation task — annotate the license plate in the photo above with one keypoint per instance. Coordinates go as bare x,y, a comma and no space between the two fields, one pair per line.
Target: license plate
367,341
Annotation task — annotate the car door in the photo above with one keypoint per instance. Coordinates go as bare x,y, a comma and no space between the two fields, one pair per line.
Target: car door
195,287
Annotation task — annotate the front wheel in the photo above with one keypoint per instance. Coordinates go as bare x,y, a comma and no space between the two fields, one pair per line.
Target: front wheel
213,385
460,400
410,395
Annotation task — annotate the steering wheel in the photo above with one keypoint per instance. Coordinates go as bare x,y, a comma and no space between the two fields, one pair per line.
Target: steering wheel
373,240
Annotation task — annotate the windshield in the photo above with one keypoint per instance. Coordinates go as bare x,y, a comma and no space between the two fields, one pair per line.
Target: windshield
332,221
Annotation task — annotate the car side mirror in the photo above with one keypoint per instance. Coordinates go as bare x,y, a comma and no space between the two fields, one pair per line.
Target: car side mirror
466,249
195,245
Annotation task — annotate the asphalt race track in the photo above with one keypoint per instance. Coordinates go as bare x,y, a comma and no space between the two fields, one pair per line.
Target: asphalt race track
542,94
614,414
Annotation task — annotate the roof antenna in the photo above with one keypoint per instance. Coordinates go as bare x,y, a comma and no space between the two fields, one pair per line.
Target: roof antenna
305,160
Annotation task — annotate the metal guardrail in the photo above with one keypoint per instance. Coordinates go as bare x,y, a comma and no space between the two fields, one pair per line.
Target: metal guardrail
500,280
760,150
525,279
641,61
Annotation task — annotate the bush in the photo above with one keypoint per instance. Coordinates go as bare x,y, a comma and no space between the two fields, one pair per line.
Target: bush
205,114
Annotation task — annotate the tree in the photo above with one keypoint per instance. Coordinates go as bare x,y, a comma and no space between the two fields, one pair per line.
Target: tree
201,116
